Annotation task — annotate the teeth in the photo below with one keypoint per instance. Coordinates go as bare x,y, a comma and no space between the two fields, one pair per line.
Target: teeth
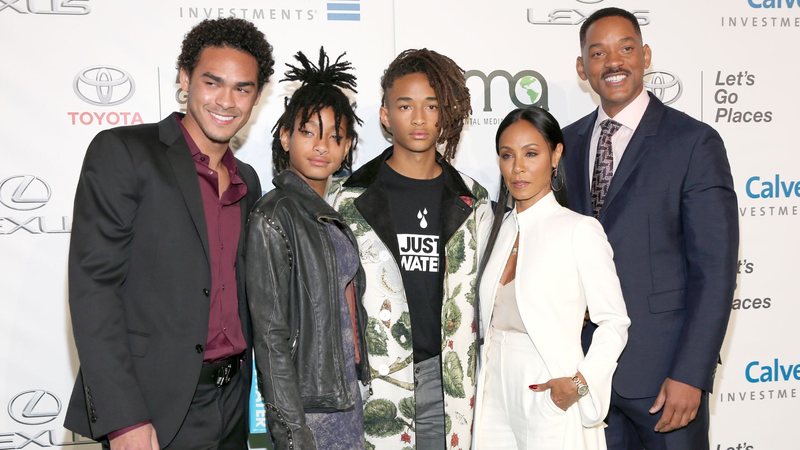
615,78
221,118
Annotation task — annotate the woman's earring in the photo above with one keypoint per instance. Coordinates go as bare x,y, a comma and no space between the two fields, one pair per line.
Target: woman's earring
556,182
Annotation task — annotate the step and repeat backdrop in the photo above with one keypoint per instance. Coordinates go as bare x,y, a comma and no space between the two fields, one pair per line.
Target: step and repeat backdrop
71,68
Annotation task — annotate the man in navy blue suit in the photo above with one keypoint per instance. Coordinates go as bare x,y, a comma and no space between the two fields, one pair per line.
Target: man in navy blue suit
660,183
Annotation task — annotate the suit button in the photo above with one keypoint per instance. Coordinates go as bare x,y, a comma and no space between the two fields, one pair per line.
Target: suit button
198,348
206,292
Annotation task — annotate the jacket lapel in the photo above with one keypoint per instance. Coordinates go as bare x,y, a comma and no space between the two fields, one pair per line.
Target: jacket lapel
180,159
583,194
635,150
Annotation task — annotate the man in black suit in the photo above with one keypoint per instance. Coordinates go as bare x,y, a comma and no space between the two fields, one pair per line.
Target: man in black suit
660,184
158,308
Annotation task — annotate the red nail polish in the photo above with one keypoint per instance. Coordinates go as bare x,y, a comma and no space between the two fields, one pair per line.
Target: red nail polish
533,387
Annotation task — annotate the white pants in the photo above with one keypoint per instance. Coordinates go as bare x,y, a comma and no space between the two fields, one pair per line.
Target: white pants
512,415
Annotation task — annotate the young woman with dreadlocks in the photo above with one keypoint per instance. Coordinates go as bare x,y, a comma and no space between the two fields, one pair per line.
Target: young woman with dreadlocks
419,224
304,280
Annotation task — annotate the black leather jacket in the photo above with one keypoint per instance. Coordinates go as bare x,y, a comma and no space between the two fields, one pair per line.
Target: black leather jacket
294,300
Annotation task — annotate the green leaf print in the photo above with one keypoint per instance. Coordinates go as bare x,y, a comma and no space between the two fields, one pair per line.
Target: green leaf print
472,362
452,318
401,331
377,340
453,376
408,408
369,445
448,424
351,215
380,418
455,252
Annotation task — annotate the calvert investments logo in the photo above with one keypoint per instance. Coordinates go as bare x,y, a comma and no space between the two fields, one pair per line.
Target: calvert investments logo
46,7
346,10
24,192
770,195
664,85
34,407
103,85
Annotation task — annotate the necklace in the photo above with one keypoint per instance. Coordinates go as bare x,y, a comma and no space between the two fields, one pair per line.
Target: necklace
513,250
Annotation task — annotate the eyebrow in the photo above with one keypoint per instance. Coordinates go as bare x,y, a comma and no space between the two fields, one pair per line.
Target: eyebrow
408,99
222,80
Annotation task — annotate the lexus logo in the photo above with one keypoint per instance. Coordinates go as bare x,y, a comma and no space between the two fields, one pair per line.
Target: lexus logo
664,85
24,192
103,85
34,407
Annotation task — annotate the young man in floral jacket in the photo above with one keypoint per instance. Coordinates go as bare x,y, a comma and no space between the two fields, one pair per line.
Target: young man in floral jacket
420,226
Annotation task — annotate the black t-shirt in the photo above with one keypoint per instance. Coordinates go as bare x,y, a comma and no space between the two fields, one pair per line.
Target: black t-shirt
415,210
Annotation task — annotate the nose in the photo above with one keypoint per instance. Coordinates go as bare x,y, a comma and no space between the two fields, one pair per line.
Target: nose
518,166
225,98
613,60
418,118
320,147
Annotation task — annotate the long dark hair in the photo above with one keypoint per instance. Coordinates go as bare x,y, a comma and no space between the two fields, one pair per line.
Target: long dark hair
548,126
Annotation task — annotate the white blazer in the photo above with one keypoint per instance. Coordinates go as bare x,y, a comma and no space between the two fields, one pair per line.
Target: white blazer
564,265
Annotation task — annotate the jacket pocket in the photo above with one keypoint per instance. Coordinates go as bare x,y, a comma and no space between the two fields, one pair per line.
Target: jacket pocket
137,343
667,301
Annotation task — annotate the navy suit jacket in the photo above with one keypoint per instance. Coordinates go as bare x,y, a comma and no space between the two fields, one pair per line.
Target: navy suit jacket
670,216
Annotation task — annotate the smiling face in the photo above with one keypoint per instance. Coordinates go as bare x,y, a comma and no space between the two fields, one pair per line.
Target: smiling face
222,91
613,60
316,150
411,114
526,163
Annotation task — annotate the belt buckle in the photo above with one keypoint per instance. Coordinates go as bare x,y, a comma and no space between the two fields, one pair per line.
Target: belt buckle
223,375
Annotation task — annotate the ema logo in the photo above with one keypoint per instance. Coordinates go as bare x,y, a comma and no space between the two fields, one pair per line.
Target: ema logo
24,192
664,85
344,10
525,88
103,85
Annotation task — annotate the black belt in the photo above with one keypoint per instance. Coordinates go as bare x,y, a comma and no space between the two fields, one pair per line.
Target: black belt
220,372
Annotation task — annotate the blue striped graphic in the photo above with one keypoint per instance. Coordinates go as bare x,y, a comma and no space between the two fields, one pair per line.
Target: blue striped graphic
347,10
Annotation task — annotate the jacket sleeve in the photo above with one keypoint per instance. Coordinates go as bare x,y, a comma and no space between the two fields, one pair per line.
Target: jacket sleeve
711,240
598,277
106,202
269,268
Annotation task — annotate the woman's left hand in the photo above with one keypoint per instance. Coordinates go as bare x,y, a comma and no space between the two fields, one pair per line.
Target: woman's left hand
563,391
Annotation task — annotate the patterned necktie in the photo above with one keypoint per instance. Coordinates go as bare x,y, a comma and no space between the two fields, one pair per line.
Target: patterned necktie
603,165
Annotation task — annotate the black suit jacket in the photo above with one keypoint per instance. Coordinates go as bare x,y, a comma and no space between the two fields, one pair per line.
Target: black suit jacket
670,216
139,280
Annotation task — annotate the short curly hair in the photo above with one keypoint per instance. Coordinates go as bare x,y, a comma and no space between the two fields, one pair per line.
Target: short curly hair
227,32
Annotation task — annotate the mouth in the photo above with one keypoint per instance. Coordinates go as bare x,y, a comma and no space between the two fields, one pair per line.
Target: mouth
221,119
519,184
319,162
420,135
615,78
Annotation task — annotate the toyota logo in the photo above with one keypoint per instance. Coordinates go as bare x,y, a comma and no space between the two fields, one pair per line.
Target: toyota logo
24,192
664,85
34,407
103,85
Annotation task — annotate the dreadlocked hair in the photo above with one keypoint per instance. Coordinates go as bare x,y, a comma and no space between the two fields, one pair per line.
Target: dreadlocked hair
447,80
321,87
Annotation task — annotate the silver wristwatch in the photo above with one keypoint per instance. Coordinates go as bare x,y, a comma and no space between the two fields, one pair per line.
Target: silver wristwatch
583,389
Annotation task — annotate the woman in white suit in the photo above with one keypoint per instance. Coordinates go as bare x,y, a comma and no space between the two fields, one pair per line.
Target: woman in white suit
545,265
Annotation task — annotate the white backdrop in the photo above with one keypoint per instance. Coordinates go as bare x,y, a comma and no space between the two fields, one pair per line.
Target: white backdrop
726,62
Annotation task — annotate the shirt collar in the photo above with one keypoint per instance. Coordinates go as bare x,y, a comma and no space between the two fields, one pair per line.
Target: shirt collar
631,115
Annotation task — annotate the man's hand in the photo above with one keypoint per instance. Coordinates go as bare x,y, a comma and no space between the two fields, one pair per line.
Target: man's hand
679,401
142,438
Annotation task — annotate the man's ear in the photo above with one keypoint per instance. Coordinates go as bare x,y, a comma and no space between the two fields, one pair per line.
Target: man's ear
384,114
285,139
183,77
579,68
